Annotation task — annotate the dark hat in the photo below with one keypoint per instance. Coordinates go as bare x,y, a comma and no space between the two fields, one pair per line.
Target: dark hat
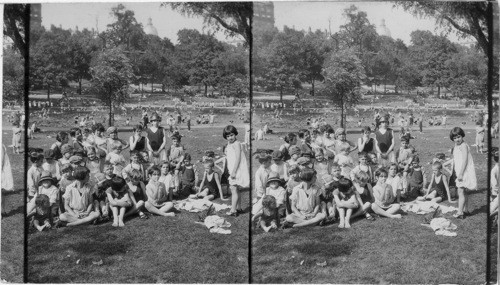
46,175
384,119
273,177
303,161
75,159
277,155
155,117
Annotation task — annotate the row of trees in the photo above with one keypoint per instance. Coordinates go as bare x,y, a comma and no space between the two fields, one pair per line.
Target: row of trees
283,60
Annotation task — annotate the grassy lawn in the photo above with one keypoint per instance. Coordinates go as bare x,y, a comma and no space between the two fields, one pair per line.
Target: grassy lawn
384,251
158,250
13,223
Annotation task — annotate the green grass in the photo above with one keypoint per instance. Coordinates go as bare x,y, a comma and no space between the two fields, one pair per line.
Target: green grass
158,250
384,251
11,266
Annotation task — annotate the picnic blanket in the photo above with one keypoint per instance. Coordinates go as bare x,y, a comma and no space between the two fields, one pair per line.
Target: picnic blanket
198,205
425,207
443,227
217,224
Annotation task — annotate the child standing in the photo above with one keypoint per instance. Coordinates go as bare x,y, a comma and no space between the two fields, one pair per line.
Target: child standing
403,156
261,175
34,173
50,164
176,151
438,189
188,176
159,201
362,166
94,163
463,170
414,174
78,200
384,197
239,174
321,165
279,166
480,130
16,137
67,152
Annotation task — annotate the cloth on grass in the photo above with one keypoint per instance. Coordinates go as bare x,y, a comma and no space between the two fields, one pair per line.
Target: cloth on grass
217,224
198,205
443,227
425,207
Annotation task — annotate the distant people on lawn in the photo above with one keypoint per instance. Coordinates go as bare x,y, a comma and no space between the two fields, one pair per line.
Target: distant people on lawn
325,184
89,180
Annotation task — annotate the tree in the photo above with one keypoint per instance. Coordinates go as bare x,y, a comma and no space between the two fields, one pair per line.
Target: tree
125,32
111,75
233,17
429,53
13,75
343,73
465,18
49,59
15,18
82,46
314,48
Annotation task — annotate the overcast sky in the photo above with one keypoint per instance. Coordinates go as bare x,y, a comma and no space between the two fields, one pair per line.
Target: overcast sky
302,15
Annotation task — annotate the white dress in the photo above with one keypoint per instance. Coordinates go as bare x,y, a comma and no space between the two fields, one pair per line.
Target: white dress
242,176
7,178
469,178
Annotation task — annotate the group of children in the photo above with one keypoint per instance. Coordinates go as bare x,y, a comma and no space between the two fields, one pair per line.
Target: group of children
84,177
313,179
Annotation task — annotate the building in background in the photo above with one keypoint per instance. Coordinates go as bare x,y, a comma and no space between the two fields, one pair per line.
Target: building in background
263,16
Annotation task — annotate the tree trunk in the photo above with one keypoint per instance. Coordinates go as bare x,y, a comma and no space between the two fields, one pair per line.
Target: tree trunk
163,88
151,87
80,86
110,113
439,91
206,90
281,94
312,84
48,93
342,114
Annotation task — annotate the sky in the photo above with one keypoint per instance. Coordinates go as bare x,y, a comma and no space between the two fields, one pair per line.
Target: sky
97,15
300,15
303,15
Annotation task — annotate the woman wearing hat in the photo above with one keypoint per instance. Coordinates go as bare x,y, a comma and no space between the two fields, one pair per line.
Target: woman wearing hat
156,139
384,143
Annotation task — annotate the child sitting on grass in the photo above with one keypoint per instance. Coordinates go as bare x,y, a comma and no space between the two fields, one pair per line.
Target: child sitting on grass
42,219
261,175
210,187
293,181
321,165
348,202
277,191
137,194
167,177
384,197
78,200
119,200
396,182
101,204
344,160
159,201
294,152
268,217
94,163
67,152
305,201
362,166
47,187
365,192
438,189
133,165
326,197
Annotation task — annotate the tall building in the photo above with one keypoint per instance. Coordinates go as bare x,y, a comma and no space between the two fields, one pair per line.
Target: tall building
263,16
36,15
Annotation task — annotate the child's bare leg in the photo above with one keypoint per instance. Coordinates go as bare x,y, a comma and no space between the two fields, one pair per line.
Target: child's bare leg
234,198
104,208
135,208
494,206
166,209
114,210
348,214
311,222
361,210
153,210
120,216
466,201
393,210
209,197
331,210
437,199
92,216
341,216
461,200
376,208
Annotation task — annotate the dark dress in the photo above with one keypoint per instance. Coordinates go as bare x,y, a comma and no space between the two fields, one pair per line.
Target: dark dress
213,189
155,138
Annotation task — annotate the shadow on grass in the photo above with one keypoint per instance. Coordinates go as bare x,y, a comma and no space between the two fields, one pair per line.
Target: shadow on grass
18,210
